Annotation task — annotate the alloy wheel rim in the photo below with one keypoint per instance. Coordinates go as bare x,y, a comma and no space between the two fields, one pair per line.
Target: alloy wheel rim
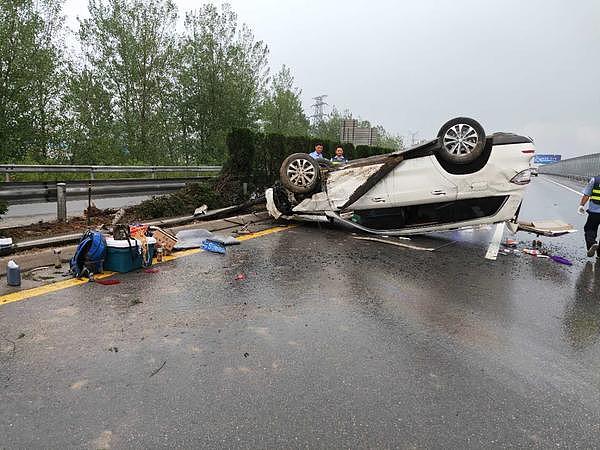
460,139
301,172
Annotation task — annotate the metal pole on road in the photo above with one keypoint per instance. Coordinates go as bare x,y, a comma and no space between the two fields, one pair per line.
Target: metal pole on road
89,208
61,202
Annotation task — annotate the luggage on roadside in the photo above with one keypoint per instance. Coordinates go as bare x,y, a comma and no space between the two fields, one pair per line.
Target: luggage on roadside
90,254
125,255
130,248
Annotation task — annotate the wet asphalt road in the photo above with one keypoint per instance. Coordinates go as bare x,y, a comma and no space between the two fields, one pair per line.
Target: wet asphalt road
329,342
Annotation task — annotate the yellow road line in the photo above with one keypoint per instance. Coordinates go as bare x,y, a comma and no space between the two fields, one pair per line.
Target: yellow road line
48,288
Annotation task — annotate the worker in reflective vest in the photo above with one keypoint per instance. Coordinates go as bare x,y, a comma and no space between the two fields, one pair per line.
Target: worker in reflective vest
591,193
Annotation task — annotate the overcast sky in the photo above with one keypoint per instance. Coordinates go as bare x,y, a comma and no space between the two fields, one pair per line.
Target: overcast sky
531,67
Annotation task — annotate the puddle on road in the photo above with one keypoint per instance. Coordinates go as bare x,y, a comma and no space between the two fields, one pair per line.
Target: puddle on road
581,321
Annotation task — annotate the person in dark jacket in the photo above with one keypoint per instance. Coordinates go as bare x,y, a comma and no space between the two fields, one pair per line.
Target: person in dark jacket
591,193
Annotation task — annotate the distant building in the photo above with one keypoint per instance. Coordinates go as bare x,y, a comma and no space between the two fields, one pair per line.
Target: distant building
351,132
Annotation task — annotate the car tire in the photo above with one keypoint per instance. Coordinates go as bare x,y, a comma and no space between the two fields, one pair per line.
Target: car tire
461,141
300,173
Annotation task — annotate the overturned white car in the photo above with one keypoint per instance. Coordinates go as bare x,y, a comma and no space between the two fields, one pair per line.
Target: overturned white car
461,178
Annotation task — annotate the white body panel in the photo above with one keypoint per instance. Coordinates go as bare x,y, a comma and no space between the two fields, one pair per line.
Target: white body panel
420,181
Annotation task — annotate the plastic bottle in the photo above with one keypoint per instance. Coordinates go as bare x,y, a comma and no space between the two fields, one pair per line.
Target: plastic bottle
13,274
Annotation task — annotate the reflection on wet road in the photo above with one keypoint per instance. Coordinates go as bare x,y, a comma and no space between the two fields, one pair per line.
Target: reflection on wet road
329,342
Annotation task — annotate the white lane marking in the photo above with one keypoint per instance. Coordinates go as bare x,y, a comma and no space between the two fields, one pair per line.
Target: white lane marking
492,252
563,186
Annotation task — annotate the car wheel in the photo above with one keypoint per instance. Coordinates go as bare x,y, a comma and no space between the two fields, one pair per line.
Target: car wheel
299,173
461,141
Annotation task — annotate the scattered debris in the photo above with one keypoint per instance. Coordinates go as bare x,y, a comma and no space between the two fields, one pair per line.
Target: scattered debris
58,261
6,245
151,270
549,228
113,349
447,244
494,247
213,247
13,274
531,252
561,260
118,216
20,335
110,282
240,277
187,239
36,269
164,239
200,211
246,354
92,210
225,240
154,372
244,229
537,251
398,244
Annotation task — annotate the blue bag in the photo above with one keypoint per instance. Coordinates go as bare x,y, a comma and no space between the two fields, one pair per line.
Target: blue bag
213,247
90,254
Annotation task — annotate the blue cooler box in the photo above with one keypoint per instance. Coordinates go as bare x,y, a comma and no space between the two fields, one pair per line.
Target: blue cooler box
125,256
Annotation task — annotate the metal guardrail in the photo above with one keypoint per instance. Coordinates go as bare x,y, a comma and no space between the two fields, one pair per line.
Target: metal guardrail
32,192
8,169
580,168
15,193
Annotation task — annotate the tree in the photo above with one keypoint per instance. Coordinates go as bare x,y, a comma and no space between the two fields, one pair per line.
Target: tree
330,128
91,135
129,46
282,109
221,77
389,140
31,78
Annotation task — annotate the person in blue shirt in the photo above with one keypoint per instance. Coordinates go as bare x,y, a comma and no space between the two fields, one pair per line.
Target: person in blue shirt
591,193
339,155
318,153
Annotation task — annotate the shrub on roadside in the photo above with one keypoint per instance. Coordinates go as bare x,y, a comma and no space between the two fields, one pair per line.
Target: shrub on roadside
3,207
255,158
179,203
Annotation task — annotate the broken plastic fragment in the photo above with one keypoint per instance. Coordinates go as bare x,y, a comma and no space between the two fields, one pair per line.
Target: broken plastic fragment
200,211
561,260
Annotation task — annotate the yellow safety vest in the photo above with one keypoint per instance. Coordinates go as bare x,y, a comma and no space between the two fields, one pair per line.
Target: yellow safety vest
595,197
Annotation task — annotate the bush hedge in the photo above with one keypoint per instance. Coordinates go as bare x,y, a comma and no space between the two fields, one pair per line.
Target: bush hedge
179,203
255,158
